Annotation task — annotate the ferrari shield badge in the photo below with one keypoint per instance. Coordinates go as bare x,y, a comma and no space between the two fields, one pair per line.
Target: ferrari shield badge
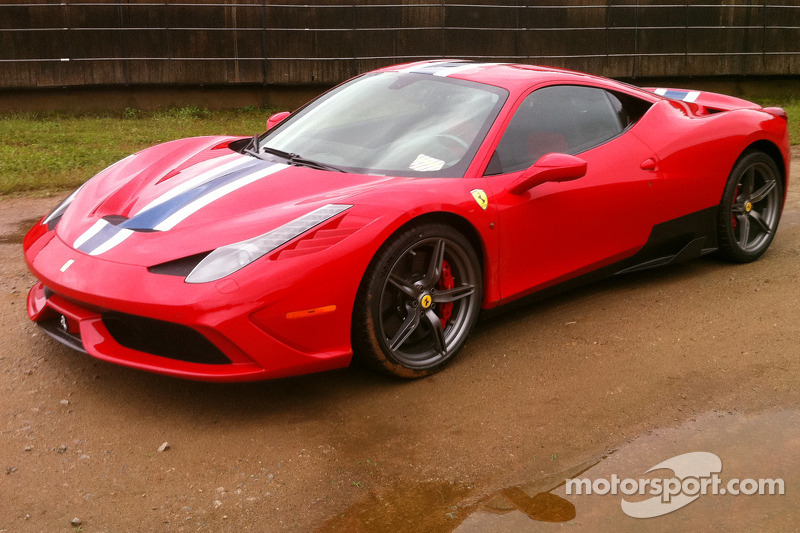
426,301
481,198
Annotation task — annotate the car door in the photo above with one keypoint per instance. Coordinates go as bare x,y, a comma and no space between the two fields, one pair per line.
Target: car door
557,231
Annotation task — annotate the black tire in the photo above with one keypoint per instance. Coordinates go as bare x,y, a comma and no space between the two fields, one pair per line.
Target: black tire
399,319
750,209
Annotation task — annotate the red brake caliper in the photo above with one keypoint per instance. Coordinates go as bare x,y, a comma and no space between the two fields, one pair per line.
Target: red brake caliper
446,282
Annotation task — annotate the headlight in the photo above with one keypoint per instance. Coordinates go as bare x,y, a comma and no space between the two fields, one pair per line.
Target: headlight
228,259
52,219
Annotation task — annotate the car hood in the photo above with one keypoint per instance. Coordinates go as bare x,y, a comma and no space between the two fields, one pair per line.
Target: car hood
191,196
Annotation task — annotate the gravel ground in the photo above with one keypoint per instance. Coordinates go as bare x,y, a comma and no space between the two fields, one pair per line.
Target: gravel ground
537,392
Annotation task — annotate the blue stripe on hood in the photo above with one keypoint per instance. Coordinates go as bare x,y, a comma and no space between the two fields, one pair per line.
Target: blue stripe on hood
105,234
148,220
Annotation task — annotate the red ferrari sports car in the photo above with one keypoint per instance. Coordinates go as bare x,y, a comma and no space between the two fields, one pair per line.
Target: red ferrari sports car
378,220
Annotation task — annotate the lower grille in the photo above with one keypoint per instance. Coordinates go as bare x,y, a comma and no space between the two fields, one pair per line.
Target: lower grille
164,339
55,329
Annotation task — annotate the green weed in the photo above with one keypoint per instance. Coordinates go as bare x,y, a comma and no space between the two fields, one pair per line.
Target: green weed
52,152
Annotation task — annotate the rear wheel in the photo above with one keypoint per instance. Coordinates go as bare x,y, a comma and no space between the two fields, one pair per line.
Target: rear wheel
750,209
418,301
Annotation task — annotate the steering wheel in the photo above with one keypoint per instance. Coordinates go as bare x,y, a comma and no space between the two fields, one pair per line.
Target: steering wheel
457,140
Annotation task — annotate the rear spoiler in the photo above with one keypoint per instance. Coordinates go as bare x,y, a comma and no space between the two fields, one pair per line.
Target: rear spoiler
777,112
705,103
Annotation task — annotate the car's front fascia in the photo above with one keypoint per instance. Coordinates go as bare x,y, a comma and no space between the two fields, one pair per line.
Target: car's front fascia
287,314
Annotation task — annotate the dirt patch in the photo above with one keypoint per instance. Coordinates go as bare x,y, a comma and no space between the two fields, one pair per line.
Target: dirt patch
16,236
535,393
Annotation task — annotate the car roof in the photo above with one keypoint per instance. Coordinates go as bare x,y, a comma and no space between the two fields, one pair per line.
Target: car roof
512,76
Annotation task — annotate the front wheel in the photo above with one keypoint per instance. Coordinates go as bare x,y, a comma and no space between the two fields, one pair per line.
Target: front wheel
750,209
418,301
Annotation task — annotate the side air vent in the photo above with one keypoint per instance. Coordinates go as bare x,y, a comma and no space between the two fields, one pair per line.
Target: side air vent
318,240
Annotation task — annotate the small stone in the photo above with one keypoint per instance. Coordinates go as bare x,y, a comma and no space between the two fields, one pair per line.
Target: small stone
164,447
64,402
62,448
27,448
76,522
11,470
217,504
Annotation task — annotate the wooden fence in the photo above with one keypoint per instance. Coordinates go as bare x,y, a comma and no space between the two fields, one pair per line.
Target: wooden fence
239,42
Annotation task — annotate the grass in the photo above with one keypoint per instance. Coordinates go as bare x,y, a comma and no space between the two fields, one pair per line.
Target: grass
793,109
53,152
45,153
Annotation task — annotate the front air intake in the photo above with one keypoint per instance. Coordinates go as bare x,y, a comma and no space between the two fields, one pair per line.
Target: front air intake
164,339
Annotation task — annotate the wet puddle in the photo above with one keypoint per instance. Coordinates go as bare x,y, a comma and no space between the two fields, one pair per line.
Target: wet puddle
16,235
408,507
743,451
542,506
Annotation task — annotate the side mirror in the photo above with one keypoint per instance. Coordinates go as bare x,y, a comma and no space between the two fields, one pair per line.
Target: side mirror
549,168
276,119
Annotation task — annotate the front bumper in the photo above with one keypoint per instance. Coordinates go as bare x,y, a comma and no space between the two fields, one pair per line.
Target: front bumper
234,334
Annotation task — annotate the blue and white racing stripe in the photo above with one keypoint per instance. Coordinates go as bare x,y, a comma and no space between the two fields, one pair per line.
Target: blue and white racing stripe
154,217
684,96
101,237
174,206
222,166
445,68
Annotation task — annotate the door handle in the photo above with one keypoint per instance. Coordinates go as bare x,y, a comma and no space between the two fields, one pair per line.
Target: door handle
648,164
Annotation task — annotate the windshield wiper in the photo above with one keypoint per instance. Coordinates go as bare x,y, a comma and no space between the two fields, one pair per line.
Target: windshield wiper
296,159
255,150
279,153
252,147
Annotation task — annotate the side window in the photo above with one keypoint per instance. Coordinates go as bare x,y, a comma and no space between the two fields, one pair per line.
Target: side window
628,108
562,118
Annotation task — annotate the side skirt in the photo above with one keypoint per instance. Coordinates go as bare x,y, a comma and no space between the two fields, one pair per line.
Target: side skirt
670,242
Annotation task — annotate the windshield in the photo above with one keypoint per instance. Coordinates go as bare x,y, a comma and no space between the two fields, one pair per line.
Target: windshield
395,124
